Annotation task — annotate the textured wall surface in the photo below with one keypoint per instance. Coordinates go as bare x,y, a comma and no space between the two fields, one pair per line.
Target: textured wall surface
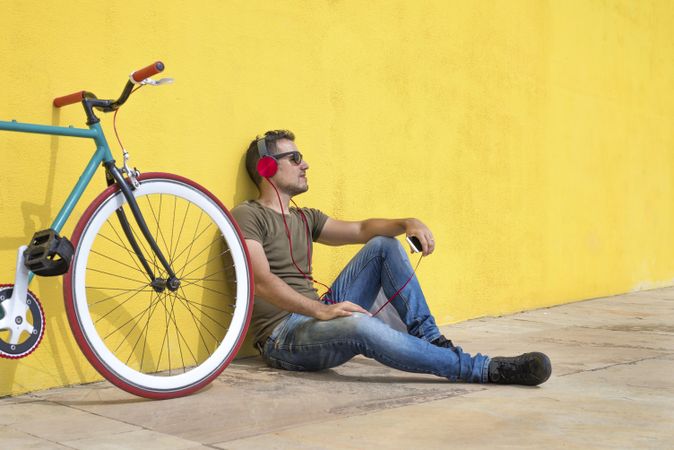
535,138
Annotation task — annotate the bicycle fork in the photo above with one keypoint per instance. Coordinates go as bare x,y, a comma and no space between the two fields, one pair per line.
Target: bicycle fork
114,175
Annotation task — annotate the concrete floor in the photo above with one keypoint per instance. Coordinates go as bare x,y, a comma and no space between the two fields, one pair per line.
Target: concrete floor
612,387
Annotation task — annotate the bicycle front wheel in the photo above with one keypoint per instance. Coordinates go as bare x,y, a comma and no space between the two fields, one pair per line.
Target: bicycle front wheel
151,342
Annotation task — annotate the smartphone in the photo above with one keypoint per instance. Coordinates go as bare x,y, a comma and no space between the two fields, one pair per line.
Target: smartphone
414,243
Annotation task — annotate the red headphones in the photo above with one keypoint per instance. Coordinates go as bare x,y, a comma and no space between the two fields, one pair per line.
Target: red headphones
267,166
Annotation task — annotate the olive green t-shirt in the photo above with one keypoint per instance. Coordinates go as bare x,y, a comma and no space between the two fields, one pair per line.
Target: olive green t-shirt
265,226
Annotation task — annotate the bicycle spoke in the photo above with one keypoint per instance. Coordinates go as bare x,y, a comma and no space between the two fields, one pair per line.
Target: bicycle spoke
195,319
199,267
117,307
191,244
210,277
164,341
182,226
209,306
118,262
109,288
175,327
212,290
213,242
157,219
132,254
189,349
146,329
196,306
126,291
173,226
116,276
132,319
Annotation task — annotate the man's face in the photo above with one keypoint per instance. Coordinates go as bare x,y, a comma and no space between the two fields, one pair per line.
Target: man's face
291,177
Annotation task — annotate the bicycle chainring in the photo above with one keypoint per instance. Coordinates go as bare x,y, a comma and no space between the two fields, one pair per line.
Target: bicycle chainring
28,342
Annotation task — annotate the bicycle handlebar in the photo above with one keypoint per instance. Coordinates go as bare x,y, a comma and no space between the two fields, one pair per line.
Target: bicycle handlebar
110,105
146,72
75,97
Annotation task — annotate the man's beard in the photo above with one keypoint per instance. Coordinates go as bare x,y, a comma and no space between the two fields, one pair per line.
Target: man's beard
296,190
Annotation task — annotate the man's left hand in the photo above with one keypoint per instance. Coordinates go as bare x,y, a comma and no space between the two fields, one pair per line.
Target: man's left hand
415,227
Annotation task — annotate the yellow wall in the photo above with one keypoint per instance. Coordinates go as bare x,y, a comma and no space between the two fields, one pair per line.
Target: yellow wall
534,138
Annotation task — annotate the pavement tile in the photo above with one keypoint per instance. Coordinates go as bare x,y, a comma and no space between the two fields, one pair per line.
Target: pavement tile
132,440
608,338
58,423
12,439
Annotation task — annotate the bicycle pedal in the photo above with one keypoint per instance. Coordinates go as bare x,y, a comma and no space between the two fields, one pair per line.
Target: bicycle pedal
48,254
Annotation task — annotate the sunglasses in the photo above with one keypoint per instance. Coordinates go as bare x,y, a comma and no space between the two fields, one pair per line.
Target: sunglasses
295,157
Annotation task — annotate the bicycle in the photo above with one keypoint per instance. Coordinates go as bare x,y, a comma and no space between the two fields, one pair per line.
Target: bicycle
160,304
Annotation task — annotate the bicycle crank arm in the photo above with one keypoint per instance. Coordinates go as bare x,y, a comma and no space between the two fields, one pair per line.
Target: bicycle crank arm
15,307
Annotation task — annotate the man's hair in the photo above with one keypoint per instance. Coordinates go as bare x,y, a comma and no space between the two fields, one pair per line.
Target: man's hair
253,156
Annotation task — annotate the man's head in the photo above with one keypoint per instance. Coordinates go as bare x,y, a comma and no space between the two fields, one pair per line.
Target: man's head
280,145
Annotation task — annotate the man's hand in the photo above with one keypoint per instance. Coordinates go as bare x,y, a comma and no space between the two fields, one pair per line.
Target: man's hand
341,309
415,227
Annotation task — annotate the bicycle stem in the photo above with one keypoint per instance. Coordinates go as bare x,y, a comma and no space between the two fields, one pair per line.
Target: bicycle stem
90,101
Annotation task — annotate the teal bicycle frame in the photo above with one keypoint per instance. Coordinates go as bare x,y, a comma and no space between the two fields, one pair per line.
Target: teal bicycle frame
101,155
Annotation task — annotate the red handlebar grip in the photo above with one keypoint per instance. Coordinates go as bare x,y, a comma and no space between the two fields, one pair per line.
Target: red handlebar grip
146,72
69,99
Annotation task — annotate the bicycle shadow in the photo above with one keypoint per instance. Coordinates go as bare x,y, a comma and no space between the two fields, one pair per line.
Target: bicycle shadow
38,216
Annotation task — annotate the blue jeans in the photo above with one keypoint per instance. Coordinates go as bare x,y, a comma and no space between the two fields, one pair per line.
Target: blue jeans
307,344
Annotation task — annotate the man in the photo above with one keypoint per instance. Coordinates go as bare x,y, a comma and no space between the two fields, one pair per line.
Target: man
296,330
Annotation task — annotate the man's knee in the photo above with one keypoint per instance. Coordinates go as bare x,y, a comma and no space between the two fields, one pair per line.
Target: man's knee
384,243
355,324
349,324
363,326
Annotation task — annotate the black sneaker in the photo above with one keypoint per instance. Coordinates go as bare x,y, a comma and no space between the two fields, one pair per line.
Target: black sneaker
529,369
443,342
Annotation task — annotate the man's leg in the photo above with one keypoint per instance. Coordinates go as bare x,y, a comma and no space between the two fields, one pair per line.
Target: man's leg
383,263
303,343
307,344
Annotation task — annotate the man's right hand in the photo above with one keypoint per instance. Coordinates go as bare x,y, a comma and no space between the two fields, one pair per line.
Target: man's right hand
277,292
341,309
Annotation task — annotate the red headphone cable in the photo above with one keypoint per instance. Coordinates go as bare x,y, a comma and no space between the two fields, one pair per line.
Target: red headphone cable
398,291
290,244
326,295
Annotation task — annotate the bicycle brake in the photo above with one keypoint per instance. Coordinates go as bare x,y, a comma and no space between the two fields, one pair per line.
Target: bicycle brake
132,174
151,82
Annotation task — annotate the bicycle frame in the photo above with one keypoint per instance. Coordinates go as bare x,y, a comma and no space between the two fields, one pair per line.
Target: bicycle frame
103,156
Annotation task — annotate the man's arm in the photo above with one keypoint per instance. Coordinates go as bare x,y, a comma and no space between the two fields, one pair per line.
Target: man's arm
340,232
277,292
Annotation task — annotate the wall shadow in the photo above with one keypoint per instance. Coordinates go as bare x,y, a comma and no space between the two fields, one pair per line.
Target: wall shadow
245,189
39,216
